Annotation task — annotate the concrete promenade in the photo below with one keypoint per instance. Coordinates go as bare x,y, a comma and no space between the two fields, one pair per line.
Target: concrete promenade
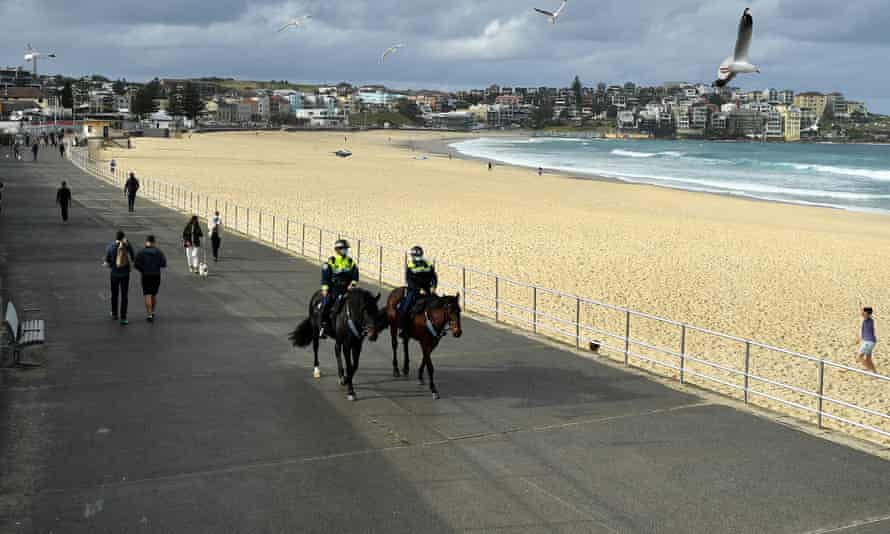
208,422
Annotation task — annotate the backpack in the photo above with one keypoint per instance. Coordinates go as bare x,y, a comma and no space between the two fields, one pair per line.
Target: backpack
122,257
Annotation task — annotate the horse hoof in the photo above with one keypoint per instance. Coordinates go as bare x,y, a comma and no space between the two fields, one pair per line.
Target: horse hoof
435,396
317,373
405,371
351,397
396,374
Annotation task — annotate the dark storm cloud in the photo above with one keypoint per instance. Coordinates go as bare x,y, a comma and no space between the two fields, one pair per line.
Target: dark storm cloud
800,44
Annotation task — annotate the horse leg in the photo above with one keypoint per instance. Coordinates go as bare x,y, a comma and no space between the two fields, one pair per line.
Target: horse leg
428,362
350,372
338,348
406,367
317,371
420,371
394,335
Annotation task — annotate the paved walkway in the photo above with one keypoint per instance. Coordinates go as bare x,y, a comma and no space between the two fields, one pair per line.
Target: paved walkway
208,422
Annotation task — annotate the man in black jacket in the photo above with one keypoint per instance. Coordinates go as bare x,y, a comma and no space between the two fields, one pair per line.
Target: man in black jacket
63,199
130,189
149,262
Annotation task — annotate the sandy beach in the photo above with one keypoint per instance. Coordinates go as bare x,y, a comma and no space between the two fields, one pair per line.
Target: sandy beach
785,275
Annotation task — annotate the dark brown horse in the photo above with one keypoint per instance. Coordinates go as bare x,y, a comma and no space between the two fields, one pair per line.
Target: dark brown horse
440,314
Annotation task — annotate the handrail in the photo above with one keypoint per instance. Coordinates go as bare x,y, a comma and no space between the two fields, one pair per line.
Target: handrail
493,304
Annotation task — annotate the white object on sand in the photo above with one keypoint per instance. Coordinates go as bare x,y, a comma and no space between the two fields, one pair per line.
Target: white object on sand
296,22
391,50
555,15
738,63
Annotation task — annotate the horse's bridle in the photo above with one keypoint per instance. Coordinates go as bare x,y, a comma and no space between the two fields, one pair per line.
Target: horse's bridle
355,331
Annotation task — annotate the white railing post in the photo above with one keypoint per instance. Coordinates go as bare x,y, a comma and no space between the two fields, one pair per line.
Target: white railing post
747,368
683,355
821,391
627,338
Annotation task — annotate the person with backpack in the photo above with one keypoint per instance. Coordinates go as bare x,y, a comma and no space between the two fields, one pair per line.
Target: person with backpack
149,262
191,240
130,189
119,258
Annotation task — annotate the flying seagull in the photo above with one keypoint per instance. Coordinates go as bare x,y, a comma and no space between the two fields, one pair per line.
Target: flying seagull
391,50
295,23
738,63
553,16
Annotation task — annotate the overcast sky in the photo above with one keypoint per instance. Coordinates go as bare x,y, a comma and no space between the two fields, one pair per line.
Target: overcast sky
822,45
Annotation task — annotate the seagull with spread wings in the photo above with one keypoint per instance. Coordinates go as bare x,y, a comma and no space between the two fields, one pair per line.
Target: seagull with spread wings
390,51
738,62
553,16
295,23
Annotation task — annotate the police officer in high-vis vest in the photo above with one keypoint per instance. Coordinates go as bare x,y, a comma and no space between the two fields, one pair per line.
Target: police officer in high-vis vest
338,275
421,279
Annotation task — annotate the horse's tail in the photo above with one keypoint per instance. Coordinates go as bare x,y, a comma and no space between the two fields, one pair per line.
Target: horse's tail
302,334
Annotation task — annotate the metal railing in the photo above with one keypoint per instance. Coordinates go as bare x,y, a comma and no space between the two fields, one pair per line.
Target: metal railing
729,365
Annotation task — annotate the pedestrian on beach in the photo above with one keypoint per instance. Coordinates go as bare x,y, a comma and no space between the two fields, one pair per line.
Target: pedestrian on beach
35,148
216,234
63,199
130,189
113,166
867,340
490,166
191,240
119,259
150,261
540,171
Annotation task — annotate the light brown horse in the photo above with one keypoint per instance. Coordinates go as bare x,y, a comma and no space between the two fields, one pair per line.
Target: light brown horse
440,314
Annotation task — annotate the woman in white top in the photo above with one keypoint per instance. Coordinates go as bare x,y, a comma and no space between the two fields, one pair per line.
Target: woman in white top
216,234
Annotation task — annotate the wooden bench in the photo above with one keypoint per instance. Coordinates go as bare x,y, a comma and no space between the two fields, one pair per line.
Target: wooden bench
23,333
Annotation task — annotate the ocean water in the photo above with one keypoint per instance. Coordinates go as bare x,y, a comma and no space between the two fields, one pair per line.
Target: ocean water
855,177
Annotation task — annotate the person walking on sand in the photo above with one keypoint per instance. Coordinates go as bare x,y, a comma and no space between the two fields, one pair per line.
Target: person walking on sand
119,258
490,166
867,340
216,234
63,199
150,261
191,240
130,188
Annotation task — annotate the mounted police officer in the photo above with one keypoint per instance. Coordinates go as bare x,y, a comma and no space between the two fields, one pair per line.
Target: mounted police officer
421,279
338,275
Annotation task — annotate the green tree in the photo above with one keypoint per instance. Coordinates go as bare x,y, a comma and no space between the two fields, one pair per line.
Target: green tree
577,89
119,87
175,99
67,96
543,115
144,102
192,105
410,110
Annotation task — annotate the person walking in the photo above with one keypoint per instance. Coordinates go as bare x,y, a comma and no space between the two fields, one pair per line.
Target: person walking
113,167
130,188
867,340
191,240
61,150
150,261
216,234
119,258
35,148
63,199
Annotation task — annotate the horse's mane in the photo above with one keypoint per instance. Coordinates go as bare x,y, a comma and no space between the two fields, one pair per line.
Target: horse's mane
443,300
